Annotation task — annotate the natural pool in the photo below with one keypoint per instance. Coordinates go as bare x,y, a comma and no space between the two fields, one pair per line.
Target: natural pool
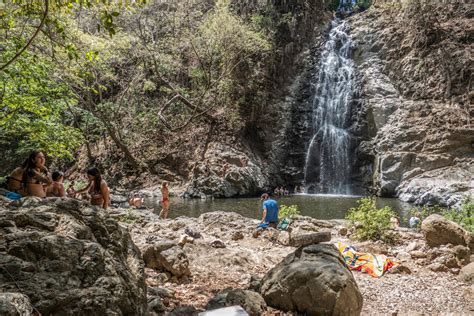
314,205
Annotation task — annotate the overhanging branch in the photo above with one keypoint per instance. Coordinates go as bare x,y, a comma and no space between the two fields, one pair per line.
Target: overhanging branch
38,29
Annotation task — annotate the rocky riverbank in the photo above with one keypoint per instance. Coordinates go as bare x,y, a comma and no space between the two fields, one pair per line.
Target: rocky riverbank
189,261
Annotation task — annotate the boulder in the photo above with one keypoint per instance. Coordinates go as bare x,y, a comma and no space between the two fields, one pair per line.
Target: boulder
437,267
238,235
167,256
462,254
313,280
15,304
308,239
440,231
151,252
217,244
175,261
250,301
156,305
467,274
69,258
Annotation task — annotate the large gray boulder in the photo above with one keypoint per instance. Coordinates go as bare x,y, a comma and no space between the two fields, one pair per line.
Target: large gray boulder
440,231
313,280
69,258
252,302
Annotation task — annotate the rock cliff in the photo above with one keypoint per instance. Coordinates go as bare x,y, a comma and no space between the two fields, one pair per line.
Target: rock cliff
415,87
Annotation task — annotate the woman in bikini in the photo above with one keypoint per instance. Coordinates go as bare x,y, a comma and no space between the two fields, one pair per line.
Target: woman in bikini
15,181
97,189
165,200
57,187
35,177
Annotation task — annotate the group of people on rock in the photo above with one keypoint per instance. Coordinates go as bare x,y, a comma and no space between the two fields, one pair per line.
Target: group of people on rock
33,178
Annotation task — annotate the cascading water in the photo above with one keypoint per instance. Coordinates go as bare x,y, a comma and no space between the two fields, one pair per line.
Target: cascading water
328,164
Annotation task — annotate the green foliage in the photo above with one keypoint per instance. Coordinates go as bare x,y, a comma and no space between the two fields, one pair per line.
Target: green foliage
34,108
463,216
369,222
425,211
288,211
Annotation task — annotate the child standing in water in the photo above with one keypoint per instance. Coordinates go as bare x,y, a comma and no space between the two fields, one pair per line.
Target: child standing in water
165,200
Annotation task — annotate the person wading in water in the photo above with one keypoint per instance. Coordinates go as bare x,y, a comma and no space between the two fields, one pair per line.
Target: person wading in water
165,200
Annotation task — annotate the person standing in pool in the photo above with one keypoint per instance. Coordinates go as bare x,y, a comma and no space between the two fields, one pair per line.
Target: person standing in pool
165,201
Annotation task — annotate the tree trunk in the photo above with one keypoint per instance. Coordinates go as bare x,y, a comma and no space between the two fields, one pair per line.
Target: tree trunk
128,155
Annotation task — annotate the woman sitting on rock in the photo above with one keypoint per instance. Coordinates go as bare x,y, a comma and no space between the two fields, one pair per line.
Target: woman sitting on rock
35,177
15,181
97,188
57,187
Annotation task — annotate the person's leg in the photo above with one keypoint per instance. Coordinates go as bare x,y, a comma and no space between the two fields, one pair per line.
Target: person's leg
165,210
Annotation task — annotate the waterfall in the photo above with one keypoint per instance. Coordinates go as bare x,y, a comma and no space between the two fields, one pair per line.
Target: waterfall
328,164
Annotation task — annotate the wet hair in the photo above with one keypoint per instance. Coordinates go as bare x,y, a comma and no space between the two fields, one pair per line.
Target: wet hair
97,177
56,175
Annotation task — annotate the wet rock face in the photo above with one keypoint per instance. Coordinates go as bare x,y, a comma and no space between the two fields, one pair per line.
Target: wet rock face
313,280
415,103
69,258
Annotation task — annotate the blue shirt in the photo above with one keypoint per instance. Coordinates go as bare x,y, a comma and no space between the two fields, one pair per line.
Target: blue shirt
272,211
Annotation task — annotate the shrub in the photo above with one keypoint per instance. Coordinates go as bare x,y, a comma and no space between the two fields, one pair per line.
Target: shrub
288,211
369,222
425,211
464,216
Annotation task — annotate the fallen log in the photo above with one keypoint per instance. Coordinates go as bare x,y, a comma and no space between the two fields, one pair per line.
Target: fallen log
309,239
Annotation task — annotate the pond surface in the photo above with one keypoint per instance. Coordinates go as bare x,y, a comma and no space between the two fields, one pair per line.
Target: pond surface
314,205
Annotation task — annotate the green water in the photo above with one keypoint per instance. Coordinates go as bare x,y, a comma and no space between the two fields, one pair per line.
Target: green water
317,206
